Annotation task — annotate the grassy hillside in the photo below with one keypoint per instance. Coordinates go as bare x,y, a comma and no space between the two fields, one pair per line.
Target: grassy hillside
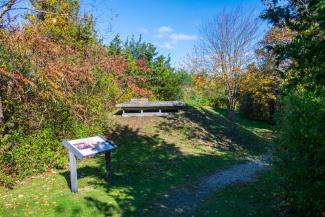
155,154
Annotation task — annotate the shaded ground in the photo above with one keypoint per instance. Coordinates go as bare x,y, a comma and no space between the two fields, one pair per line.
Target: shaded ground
210,128
155,156
184,201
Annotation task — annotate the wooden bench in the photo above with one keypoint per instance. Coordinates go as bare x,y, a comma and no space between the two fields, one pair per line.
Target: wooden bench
143,107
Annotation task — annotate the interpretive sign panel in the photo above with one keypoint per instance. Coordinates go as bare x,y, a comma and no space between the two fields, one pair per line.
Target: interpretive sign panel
88,147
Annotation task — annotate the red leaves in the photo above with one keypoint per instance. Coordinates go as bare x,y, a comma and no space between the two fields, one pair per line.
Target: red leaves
118,65
58,72
142,65
115,64
18,79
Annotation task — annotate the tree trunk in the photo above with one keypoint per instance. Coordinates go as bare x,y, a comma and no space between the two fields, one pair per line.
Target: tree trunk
1,112
230,111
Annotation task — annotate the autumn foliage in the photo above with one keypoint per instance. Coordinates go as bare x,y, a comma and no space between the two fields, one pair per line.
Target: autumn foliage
58,81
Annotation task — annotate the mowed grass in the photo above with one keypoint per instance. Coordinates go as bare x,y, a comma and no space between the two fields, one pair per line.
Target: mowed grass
154,156
246,199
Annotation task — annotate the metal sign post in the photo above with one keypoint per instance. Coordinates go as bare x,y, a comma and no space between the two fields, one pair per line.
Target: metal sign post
73,172
88,147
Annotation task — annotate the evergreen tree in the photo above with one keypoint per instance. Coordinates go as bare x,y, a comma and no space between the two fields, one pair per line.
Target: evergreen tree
115,47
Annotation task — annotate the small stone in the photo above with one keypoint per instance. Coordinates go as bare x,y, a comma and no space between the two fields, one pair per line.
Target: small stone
20,196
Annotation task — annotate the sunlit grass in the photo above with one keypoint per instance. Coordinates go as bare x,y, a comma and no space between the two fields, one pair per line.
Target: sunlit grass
154,156
247,199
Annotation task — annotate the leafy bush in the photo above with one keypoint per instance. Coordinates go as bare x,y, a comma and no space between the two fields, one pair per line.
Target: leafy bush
24,154
204,90
58,81
300,154
258,94
252,109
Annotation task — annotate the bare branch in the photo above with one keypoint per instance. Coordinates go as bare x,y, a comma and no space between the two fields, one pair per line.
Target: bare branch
40,11
6,7
227,47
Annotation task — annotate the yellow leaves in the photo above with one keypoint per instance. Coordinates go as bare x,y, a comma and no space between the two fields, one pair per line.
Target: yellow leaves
31,18
261,86
52,2
272,96
203,81
199,82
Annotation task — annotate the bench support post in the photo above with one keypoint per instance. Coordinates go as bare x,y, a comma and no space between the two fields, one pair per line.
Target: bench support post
73,172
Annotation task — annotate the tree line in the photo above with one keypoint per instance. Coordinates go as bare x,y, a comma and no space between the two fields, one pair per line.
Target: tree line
283,84
58,80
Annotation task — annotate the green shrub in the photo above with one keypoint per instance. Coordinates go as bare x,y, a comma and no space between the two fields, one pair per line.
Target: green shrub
24,155
300,154
252,109
207,97
197,100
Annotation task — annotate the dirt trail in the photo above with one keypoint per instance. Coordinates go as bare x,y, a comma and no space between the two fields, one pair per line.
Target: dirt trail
183,201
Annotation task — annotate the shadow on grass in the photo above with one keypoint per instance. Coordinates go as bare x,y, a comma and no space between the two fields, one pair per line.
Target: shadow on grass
246,122
211,129
262,128
144,167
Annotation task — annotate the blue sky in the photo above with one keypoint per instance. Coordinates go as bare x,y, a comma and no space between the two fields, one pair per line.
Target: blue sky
171,25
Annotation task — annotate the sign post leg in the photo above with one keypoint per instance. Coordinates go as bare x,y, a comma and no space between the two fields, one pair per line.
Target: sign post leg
108,166
73,172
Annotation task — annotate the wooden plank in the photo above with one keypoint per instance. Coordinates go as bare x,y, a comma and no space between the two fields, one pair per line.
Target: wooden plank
148,104
145,114
73,172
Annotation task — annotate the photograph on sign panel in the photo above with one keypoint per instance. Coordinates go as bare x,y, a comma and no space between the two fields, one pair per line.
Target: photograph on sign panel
83,145
90,146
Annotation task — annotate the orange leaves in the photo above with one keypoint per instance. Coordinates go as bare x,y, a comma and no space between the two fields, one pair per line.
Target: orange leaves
18,79
54,71
118,65
62,66
60,72
115,64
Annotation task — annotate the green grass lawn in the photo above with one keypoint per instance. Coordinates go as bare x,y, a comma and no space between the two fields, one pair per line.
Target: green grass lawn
246,199
154,156
263,129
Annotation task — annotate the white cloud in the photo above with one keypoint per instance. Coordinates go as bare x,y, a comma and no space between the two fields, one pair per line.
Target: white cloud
182,37
168,46
169,38
165,29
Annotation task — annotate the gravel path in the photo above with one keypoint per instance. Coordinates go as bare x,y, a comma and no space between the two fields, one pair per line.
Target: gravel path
182,202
